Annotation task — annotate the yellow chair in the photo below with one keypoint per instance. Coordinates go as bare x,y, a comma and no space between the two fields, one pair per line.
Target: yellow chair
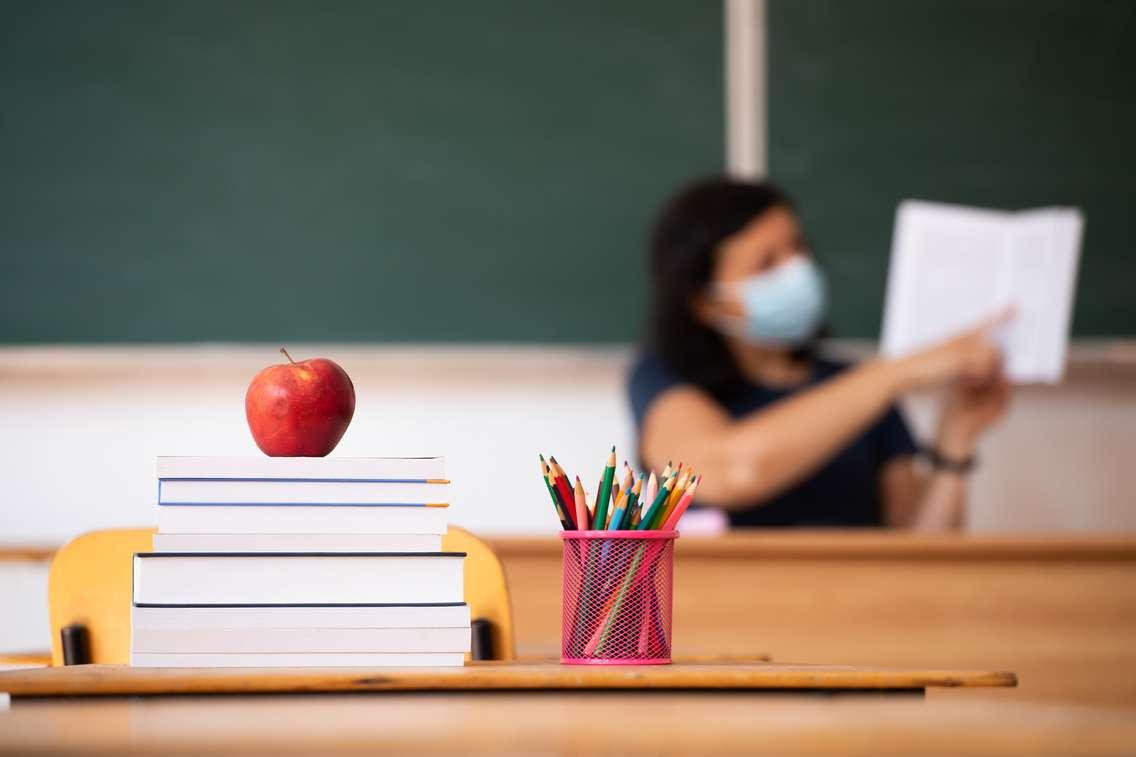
91,578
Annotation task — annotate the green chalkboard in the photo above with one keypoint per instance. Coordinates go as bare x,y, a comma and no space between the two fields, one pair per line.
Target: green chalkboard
349,171
999,103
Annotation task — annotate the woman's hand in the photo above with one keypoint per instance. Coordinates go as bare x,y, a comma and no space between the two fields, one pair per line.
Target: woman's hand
972,357
970,409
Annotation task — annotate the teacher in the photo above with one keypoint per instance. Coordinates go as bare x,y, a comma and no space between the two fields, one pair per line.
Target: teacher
731,381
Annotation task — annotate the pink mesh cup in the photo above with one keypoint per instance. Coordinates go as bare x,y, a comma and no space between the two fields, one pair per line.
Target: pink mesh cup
616,603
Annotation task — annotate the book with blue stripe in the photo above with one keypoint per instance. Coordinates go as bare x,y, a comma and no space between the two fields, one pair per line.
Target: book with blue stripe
240,491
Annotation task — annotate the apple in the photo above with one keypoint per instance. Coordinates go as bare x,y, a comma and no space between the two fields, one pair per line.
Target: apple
299,409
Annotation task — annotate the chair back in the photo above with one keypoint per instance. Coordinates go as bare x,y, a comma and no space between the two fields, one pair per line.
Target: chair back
92,576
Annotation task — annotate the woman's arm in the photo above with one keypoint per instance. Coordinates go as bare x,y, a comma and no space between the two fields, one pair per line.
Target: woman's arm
753,458
937,501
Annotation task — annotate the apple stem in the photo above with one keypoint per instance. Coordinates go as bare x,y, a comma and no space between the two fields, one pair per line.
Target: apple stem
285,352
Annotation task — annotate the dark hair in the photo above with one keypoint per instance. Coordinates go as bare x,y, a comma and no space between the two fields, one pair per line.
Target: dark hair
683,244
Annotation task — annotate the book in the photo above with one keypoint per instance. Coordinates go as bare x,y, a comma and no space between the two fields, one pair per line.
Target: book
297,542
300,640
365,468
300,492
238,617
297,578
953,266
300,519
268,660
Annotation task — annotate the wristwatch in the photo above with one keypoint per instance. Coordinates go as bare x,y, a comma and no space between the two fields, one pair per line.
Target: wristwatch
939,461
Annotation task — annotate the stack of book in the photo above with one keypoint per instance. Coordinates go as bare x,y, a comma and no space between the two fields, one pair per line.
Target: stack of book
262,562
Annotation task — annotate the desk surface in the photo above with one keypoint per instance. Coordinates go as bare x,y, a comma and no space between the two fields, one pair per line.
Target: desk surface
101,680
532,723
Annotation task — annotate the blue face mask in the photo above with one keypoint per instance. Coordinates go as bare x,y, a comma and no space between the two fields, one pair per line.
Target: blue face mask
783,307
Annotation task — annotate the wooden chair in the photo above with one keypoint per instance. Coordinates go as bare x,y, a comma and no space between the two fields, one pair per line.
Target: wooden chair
91,578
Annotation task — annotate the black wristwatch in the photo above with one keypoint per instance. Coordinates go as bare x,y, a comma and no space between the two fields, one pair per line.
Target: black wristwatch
941,462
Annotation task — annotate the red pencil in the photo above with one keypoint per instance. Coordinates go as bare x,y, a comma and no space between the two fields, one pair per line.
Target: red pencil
565,491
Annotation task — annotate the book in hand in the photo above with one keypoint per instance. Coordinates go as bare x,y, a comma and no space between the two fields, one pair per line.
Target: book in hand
305,542
301,492
294,519
309,660
170,578
952,267
336,468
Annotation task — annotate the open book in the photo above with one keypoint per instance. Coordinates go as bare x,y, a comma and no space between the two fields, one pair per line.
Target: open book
953,266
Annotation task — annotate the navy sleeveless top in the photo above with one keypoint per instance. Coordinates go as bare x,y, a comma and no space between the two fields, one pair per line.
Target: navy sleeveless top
843,492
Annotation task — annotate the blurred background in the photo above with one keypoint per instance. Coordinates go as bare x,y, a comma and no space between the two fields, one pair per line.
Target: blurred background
451,201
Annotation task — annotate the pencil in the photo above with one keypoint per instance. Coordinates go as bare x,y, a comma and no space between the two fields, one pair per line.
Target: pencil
618,510
564,521
560,480
581,506
605,489
681,507
619,520
674,496
652,488
653,511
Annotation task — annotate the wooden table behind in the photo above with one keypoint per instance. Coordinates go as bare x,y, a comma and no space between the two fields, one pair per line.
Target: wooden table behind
1058,610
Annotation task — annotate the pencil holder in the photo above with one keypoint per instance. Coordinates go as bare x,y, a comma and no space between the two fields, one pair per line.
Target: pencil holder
616,601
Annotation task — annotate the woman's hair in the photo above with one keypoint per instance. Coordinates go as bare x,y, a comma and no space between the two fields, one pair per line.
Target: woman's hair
684,242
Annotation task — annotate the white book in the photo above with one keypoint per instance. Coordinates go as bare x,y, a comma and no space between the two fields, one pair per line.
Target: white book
301,519
169,578
952,266
297,542
301,640
332,660
366,468
161,618
301,492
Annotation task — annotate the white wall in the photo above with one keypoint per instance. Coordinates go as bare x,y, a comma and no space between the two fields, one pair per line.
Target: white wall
81,427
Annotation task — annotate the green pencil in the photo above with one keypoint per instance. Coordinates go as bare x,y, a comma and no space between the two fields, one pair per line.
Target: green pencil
651,513
605,491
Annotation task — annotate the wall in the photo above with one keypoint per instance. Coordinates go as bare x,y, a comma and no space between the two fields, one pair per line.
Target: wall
82,426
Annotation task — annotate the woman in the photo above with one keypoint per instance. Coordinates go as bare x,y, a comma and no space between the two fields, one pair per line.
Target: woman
732,385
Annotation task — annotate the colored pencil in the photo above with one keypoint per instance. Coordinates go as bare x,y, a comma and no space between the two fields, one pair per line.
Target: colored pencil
560,513
618,510
652,512
674,497
605,489
681,507
618,523
581,506
561,482
652,488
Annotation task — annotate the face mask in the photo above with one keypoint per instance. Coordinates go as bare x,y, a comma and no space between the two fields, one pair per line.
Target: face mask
783,306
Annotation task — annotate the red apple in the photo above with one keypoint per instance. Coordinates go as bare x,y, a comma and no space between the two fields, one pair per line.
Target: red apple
299,409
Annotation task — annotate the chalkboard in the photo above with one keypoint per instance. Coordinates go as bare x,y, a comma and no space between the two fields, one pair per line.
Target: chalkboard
349,171
998,103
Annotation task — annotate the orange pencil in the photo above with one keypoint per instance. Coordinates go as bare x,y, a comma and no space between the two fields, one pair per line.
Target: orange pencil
680,508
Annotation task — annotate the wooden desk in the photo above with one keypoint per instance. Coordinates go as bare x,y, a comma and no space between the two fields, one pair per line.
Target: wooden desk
1058,610
123,680
528,723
